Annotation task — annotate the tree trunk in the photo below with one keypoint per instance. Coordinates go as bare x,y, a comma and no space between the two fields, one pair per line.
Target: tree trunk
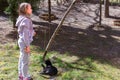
106,5
49,10
100,17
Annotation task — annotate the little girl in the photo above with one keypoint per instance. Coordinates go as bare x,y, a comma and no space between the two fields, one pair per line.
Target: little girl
26,33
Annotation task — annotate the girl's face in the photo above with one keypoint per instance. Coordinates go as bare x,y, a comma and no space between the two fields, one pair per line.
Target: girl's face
29,10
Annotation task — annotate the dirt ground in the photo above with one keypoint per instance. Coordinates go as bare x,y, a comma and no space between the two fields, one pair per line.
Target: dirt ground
77,36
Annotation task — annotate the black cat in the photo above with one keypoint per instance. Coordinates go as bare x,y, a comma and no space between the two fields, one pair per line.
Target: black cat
49,69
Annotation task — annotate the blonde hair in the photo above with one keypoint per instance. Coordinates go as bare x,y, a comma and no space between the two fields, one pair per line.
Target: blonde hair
23,8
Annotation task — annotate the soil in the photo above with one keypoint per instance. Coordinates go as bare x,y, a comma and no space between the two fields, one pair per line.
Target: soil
80,34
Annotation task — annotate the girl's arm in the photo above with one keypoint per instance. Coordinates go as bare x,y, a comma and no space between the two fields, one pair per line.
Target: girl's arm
26,40
26,36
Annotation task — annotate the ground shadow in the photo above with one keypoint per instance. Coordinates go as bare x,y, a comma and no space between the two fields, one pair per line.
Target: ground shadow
101,43
114,17
4,16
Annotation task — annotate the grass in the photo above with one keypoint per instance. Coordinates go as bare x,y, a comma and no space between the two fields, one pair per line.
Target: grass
70,67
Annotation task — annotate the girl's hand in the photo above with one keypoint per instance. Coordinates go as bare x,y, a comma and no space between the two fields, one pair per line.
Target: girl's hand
27,49
34,33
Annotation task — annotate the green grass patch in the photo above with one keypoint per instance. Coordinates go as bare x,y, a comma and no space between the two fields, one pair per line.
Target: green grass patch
70,67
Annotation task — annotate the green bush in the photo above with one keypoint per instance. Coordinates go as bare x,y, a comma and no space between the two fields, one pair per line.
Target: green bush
3,5
12,8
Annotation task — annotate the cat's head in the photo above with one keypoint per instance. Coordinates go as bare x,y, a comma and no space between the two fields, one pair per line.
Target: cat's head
48,62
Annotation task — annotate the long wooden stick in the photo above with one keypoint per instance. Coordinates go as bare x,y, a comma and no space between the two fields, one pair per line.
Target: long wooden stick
57,29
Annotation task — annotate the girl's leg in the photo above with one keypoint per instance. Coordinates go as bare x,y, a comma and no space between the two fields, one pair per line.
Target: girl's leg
20,67
24,60
21,46
25,63
20,64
